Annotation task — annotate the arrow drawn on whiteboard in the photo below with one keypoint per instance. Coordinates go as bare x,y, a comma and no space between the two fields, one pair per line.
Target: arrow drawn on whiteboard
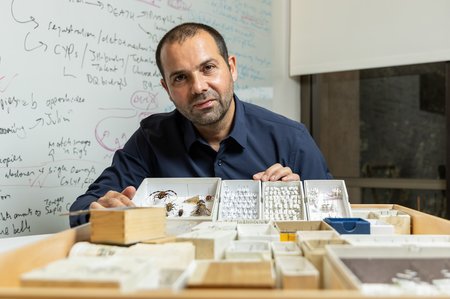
40,44
31,18
99,4
153,37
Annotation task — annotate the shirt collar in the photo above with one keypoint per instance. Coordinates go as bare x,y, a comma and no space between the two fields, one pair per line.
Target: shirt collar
238,131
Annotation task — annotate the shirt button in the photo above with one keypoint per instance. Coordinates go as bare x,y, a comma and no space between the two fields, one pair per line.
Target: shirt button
219,162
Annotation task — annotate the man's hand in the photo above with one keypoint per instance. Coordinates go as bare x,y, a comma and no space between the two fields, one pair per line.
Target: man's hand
277,172
114,199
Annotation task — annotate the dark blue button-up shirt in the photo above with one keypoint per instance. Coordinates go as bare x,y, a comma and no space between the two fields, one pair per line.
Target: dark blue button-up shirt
168,145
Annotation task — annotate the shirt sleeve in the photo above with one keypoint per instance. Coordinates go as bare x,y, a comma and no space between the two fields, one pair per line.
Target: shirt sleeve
308,159
129,167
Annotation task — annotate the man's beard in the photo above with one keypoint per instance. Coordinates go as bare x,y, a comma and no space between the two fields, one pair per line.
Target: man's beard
212,115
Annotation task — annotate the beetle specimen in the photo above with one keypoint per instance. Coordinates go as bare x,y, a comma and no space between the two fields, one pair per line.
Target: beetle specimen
169,206
201,209
161,195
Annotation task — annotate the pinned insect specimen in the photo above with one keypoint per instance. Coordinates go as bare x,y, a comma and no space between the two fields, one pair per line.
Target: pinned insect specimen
161,195
201,209
194,199
173,210
170,206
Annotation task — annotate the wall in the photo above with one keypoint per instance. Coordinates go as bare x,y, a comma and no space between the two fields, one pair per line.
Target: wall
331,36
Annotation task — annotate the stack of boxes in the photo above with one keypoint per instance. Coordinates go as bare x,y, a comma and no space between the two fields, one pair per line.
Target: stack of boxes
289,235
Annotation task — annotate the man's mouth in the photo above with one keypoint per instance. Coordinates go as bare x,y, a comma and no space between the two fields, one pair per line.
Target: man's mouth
204,104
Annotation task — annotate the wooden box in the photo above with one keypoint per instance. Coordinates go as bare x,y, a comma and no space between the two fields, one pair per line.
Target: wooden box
290,229
296,272
314,251
15,262
127,226
400,220
232,274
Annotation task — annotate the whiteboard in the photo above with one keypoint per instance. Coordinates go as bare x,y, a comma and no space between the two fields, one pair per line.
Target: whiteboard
77,76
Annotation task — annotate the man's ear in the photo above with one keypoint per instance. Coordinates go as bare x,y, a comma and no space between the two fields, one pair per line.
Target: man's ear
163,83
233,67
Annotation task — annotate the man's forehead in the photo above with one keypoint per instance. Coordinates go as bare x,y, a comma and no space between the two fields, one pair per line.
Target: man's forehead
200,34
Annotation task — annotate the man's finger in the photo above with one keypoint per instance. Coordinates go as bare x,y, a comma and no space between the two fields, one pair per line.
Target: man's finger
95,205
291,177
129,192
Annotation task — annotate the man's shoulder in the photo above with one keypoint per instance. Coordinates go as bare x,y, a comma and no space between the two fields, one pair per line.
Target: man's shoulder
158,119
258,115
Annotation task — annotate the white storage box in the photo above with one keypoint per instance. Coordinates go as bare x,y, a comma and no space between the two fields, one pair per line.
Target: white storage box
364,212
314,230
240,200
285,248
378,227
209,244
249,250
283,201
263,232
183,198
402,270
400,220
399,240
216,225
326,198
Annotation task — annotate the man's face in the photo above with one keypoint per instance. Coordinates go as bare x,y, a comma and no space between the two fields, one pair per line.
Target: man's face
197,78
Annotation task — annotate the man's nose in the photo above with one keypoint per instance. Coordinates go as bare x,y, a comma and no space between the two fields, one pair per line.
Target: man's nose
199,84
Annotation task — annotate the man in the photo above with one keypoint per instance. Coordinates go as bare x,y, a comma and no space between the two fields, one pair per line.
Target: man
210,134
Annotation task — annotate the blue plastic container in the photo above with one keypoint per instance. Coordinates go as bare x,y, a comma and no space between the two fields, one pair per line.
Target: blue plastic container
349,225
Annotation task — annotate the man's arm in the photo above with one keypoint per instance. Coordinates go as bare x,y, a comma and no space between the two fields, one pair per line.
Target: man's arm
117,183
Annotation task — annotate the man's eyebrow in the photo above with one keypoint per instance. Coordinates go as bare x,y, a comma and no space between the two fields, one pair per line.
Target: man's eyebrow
180,72
176,73
208,61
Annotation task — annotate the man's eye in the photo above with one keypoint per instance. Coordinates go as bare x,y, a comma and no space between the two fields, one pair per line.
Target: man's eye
179,78
208,67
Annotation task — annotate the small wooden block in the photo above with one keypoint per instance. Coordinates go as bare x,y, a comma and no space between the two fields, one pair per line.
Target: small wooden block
296,272
244,274
127,226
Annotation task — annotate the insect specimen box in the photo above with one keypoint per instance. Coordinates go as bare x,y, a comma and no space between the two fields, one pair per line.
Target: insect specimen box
183,198
240,200
283,201
326,198
391,269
